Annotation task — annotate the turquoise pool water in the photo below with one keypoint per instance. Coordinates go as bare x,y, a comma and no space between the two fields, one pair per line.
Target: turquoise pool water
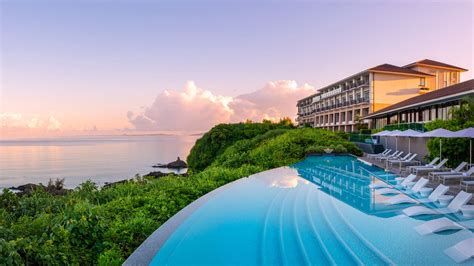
318,211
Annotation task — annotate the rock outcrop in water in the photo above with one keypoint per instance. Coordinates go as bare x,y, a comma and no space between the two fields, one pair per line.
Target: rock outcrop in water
55,188
178,164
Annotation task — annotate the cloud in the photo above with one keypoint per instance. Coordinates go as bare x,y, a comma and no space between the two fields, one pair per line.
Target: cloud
194,109
20,125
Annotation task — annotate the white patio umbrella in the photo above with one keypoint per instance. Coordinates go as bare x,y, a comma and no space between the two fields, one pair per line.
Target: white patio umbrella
409,133
437,133
394,134
381,134
466,133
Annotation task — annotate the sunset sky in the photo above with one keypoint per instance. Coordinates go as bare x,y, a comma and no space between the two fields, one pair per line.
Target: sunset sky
113,67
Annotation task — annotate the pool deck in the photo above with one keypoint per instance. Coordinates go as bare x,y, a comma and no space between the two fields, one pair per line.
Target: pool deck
454,187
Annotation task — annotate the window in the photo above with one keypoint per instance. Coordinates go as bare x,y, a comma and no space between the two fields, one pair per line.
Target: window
454,78
423,82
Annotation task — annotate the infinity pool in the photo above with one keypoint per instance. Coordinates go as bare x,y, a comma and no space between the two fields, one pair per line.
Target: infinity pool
318,211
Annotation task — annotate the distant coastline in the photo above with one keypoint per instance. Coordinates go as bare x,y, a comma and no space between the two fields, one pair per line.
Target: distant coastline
103,159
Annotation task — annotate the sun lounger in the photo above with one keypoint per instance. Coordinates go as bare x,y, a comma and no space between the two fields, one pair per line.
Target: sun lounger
432,163
396,157
403,184
404,180
437,225
439,191
455,171
385,155
421,183
417,170
385,152
408,158
462,251
399,199
467,174
465,184
379,185
461,199
402,198
389,156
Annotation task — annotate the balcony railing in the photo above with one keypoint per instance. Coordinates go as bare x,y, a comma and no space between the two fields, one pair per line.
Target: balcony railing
405,126
364,138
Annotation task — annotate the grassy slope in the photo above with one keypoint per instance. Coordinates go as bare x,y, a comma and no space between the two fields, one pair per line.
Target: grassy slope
90,226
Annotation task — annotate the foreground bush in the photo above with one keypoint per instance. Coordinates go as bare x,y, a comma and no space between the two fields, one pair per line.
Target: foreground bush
104,226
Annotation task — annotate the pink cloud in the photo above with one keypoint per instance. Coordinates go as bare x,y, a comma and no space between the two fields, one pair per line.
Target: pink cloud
194,109
20,125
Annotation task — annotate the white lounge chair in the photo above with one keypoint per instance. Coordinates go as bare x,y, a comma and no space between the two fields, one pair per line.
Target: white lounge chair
379,185
410,160
421,183
432,163
465,184
388,156
437,225
385,152
431,168
455,171
388,190
453,207
462,251
439,191
396,157
405,158
467,174
405,181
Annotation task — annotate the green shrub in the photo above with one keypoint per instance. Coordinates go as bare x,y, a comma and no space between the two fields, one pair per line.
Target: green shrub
339,148
315,149
220,137
455,149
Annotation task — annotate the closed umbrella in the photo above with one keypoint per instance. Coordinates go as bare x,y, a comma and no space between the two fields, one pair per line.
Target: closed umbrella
466,133
409,133
394,134
437,133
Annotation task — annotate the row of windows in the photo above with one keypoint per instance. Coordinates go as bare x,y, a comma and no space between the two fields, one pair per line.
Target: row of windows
424,115
340,117
344,99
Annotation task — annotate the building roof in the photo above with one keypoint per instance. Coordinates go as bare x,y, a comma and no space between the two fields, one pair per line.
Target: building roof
395,69
429,62
459,89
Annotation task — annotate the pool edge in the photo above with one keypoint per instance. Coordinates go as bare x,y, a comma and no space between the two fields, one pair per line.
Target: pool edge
144,254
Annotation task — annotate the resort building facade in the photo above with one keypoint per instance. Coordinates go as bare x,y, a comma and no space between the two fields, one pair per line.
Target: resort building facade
423,108
342,105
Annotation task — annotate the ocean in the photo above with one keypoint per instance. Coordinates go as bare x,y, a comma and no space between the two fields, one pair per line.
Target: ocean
77,159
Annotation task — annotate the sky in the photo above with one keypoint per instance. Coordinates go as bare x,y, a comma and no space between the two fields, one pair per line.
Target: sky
115,67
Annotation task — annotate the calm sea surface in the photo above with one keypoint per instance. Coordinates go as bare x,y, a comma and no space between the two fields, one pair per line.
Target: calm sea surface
77,159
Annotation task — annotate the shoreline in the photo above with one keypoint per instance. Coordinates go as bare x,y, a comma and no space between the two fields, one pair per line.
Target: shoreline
28,188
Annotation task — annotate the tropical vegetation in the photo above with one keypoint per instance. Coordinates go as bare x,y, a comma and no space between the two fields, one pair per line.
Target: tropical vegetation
456,149
92,225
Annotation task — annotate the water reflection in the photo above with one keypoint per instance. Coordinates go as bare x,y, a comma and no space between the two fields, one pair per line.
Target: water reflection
102,159
284,177
346,179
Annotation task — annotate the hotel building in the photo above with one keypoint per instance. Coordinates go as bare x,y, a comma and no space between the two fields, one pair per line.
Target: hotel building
423,108
339,105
